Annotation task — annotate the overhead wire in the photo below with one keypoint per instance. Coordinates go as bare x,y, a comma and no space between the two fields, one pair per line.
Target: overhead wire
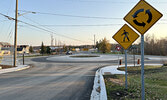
40,24
67,15
51,31
9,7
110,1
47,27
3,21
9,31
78,16
100,25
73,25
46,30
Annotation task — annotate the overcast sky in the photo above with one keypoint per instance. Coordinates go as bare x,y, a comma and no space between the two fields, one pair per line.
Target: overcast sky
73,22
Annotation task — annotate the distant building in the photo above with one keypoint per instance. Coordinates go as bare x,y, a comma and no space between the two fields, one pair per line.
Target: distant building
36,49
5,48
5,44
23,49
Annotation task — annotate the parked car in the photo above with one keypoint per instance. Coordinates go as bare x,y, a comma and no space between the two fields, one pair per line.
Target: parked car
69,53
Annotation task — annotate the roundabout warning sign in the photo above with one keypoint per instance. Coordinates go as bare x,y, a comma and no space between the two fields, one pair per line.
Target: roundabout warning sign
142,17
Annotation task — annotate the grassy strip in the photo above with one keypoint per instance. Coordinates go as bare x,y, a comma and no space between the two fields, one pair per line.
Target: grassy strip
84,56
137,68
33,55
155,84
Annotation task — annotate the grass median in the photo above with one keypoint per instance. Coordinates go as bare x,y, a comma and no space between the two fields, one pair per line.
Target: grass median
155,84
84,56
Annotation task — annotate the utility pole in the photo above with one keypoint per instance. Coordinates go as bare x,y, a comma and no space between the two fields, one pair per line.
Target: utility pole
52,39
55,42
94,42
15,38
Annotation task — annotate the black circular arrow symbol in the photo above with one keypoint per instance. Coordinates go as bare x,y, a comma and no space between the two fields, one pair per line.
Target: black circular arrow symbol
150,15
143,23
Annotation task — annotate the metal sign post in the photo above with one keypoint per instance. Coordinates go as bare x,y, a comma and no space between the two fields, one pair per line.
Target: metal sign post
133,49
125,37
126,82
118,48
118,58
142,68
136,18
134,56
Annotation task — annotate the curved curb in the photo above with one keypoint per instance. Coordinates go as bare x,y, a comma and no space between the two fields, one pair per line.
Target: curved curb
67,59
26,67
100,84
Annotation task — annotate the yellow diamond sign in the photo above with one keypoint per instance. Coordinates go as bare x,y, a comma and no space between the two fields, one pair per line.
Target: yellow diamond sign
125,36
143,16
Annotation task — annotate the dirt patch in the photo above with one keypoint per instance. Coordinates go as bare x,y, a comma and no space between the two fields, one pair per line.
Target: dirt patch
115,87
6,66
116,81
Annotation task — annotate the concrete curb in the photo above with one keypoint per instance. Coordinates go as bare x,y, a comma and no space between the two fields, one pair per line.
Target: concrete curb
99,81
18,68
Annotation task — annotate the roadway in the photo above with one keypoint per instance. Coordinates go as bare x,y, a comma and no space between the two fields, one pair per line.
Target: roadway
52,80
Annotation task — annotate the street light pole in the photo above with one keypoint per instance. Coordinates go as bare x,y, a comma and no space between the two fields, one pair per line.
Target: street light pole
15,38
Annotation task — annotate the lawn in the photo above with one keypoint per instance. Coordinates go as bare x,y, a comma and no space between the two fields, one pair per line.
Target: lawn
155,84
84,56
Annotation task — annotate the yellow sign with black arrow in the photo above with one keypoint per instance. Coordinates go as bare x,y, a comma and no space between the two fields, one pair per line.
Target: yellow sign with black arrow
142,17
125,36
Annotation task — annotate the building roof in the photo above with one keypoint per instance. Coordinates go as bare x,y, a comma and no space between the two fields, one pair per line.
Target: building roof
23,46
5,44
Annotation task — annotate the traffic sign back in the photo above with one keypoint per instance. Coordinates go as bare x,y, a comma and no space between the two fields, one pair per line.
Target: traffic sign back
143,16
125,36
118,48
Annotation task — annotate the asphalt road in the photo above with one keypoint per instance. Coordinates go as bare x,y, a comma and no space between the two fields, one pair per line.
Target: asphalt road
51,80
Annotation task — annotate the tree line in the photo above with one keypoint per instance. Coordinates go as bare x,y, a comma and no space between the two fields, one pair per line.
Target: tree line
152,46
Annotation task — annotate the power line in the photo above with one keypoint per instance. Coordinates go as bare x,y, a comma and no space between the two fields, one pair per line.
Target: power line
50,31
98,1
46,26
41,25
109,1
10,18
79,25
3,21
66,15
